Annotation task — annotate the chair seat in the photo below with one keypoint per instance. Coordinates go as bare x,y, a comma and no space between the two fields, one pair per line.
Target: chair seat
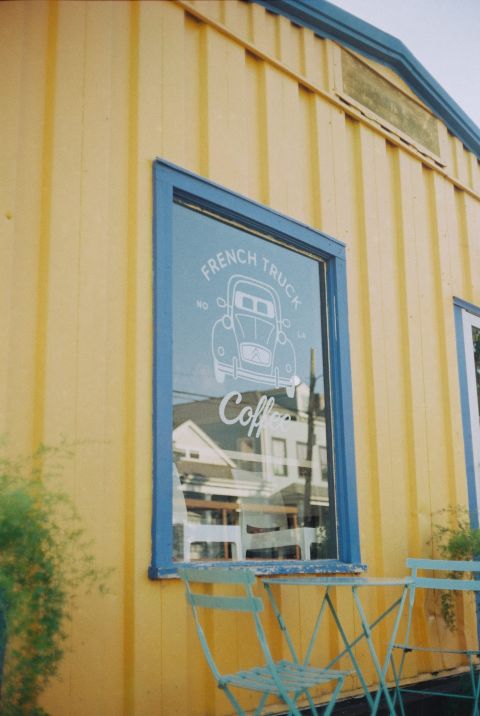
435,650
294,677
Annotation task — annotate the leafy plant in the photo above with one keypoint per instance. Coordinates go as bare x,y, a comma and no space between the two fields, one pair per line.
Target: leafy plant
45,560
456,540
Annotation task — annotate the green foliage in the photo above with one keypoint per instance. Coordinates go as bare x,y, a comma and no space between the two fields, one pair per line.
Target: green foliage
456,540
44,561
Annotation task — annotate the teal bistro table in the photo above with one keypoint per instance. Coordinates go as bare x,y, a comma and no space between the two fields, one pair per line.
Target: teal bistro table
355,585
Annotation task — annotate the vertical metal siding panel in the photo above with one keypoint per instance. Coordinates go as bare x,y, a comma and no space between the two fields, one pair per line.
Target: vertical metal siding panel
466,264
461,162
350,202
360,333
405,429
452,157
368,303
225,110
237,18
290,45
30,210
115,504
210,9
393,478
159,101
57,298
419,509
195,133
475,172
151,637
61,326
264,32
455,481
281,105
169,54
255,110
315,63
310,159
375,234
330,133
11,51
98,663
451,208
24,81
299,139
472,222
430,317
175,645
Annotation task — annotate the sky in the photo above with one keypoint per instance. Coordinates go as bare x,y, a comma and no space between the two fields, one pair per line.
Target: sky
444,35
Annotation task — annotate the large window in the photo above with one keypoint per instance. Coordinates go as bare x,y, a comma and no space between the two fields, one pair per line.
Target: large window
252,428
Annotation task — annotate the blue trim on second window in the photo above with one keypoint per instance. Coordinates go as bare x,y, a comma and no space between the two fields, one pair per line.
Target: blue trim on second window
459,308
172,182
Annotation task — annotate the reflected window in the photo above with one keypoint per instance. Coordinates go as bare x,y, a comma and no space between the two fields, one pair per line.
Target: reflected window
279,453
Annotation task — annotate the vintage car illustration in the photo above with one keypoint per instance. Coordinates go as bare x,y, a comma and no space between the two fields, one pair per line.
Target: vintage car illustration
249,341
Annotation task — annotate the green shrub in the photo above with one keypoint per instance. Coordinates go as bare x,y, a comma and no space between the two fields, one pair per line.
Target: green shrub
44,561
456,540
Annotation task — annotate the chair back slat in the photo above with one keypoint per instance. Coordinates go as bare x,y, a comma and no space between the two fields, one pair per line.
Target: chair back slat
458,585
216,575
232,604
447,565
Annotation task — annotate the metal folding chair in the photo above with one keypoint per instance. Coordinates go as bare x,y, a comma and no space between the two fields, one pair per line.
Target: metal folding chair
287,679
443,584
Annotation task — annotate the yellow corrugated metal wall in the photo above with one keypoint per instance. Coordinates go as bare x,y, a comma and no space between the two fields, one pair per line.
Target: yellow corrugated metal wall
92,92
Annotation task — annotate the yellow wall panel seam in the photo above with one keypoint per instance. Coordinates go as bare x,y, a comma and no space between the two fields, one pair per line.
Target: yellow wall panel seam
12,27
466,261
45,229
348,109
130,371
441,320
398,200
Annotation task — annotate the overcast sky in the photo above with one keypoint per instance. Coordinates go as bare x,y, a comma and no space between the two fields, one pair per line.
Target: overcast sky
444,35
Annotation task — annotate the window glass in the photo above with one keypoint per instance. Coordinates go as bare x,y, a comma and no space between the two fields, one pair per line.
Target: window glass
249,397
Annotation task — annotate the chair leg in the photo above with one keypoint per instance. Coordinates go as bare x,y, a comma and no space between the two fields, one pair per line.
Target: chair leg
260,706
233,700
334,697
313,708
475,687
397,692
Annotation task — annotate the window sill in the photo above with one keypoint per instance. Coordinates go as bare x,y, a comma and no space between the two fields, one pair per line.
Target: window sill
324,566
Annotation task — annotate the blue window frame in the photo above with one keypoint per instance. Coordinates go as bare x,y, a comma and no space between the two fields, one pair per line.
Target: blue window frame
186,203
467,326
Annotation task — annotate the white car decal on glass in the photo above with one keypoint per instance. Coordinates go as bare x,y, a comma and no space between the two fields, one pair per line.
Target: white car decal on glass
249,340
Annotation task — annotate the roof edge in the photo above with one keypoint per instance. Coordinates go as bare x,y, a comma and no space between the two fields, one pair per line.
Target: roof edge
332,22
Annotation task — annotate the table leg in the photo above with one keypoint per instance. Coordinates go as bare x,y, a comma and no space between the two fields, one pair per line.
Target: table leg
281,623
348,649
381,671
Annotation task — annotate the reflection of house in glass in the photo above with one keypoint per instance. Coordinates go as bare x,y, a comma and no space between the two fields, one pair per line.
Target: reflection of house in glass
258,483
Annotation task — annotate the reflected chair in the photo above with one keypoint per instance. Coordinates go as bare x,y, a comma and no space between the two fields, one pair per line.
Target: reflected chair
199,531
264,521
287,679
444,584
256,535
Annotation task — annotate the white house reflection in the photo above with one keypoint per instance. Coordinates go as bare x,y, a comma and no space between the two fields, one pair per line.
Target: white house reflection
242,496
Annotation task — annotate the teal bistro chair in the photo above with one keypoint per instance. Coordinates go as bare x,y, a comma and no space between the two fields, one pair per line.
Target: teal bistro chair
445,584
286,679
